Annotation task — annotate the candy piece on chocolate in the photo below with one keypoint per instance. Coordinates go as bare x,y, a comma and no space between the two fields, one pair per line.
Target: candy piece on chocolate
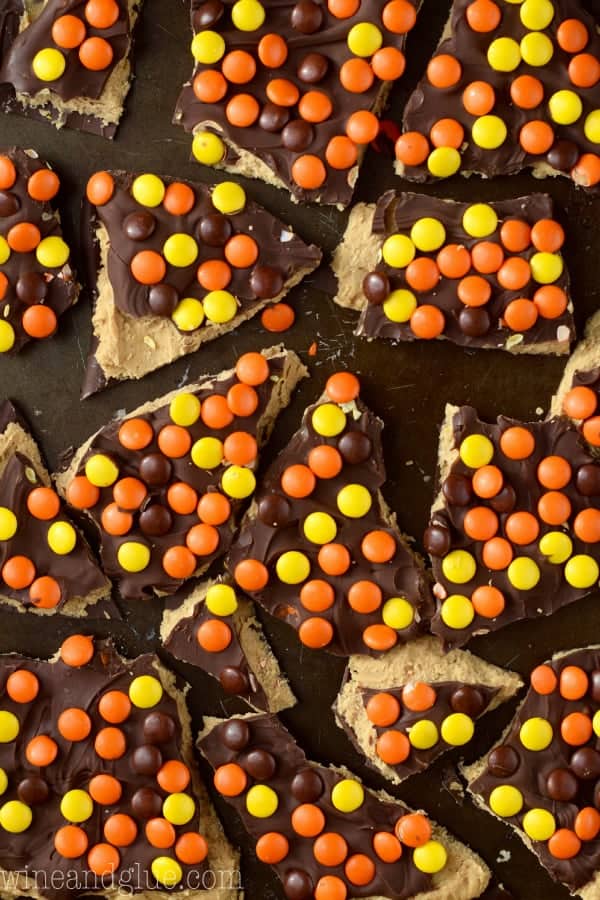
37,284
542,778
487,275
166,483
322,831
526,543
578,396
291,93
46,565
70,63
176,264
80,800
510,86
319,548
213,626
405,710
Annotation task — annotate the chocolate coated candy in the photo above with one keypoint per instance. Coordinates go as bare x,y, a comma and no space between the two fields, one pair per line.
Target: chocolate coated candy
163,299
563,155
215,229
468,700
585,763
307,17
234,681
31,287
474,321
146,803
307,786
297,135
156,520
9,204
313,68
588,480
504,502
297,885
146,760
273,117
436,540
159,728
260,764
266,282
207,14
235,734
33,790
274,510
355,447
562,785
503,761
155,469
139,226
376,287
457,490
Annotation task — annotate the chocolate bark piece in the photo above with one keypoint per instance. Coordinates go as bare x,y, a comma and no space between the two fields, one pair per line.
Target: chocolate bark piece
306,536
10,13
37,284
188,439
550,779
247,666
563,144
527,549
86,96
314,45
110,697
133,329
366,280
69,583
421,683
296,788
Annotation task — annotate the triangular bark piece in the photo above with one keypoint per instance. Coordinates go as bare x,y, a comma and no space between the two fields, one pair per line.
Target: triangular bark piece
469,283
113,748
204,439
303,809
37,284
34,576
537,107
382,700
158,248
85,66
319,547
514,528
247,666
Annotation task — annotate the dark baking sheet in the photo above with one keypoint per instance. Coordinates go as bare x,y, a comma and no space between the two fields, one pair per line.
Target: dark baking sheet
406,385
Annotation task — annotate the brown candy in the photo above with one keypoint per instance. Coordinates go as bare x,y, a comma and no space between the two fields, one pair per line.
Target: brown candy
146,760
139,226
563,155
561,785
156,520
146,803
355,447
208,14
31,287
215,230
588,480
155,469
163,299
313,68
159,728
503,761
307,17
457,490
9,204
235,734
585,763
474,321
297,135
234,681
297,885
274,510
273,117
33,790
266,282
437,540
307,786
468,700
260,764
376,287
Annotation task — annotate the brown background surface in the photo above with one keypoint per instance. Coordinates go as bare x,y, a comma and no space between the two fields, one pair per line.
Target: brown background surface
406,385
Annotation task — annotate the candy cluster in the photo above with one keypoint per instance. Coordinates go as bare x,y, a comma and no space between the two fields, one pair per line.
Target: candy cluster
581,404
510,70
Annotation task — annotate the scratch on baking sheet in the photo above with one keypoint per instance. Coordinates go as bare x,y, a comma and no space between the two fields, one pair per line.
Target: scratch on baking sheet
79,347
185,377
166,31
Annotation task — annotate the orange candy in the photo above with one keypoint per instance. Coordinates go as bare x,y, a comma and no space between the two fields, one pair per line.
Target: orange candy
474,290
298,481
427,322
480,523
547,235
330,887
488,601
362,126
3,285
191,848
272,51
101,13
238,67
591,431
23,237
487,482
315,106
359,869
110,743
584,70
272,847
230,780
517,442
479,98
43,185
68,32
70,841
18,572
39,321
325,461
587,526
514,274
515,234
447,133
317,595
8,173
77,650
412,148
554,472
580,402
160,833
148,267
22,686
573,683
365,596
483,15
242,400
356,75
413,830
378,546
241,251
115,521
74,724
422,274
129,493
522,528
209,86
572,36
214,508
81,493
309,172
242,110
587,823
100,188
383,709
105,789
418,696
114,707
251,575
521,314
536,137
173,776
388,63
174,441
543,680
41,751
96,54
527,92
120,830
135,434
444,71
214,636
393,747
315,633
399,16
202,539
342,387
334,559
330,849
551,301
308,820
216,413
564,844
103,859
576,729
454,261
282,92
342,9
43,503
214,274
278,318
179,562
487,257
497,554
179,199
387,847
554,508
182,498
379,637
252,368
240,448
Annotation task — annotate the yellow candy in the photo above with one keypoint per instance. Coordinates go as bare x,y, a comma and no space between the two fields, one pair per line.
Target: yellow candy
397,613
221,600
145,691
596,723
400,305
188,314
582,571
398,251
457,729
428,234
292,567
536,49
348,795
476,450
4,250
504,54
9,726
480,220
328,420
184,409
443,162
523,573
62,538
8,523
319,528
220,307
489,132
180,250
261,801
76,806
364,39
166,871
133,556
101,470
354,501
208,148
208,47
148,190
459,566
565,107
430,858
7,336
506,800
52,252
3,782
229,197
178,809
48,64
536,734
207,453
248,15
537,14
238,482
457,611
592,126
556,546
539,824
546,267
423,735
15,817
